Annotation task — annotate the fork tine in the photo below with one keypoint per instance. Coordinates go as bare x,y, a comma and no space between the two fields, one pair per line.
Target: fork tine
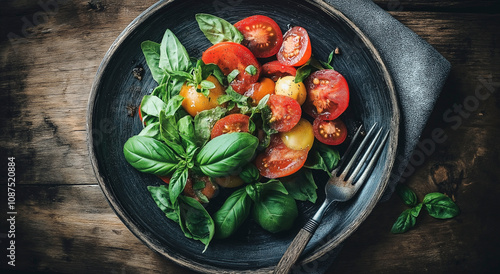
348,150
373,161
345,171
365,156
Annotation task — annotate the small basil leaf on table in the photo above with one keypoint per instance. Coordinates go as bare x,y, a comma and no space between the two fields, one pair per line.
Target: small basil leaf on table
195,221
151,51
405,222
301,186
226,153
161,197
217,29
275,211
149,155
173,55
232,213
204,122
440,206
407,195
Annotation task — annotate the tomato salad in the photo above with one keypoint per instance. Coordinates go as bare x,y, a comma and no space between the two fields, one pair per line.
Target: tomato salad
234,121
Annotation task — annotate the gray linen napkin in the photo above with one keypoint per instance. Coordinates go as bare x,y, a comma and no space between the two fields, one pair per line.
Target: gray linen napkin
419,73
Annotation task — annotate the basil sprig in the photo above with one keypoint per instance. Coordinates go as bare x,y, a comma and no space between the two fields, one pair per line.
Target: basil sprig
436,204
217,29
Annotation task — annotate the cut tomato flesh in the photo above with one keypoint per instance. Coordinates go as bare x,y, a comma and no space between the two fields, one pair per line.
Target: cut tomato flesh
278,160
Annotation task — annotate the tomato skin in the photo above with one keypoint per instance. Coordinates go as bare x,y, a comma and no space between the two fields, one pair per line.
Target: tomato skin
327,94
195,102
258,90
278,160
262,35
231,123
329,132
300,137
287,86
276,70
140,114
296,48
286,112
229,56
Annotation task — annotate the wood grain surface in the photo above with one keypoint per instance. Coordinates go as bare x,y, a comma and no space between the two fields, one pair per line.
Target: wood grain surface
48,59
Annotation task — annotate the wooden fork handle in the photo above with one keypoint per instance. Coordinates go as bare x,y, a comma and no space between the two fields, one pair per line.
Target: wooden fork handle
296,247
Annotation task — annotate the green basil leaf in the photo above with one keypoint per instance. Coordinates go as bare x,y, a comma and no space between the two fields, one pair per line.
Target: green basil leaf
275,211
152,105
151,130
440,206
226,153
405,222
161,197
256,190
170,134
195,221
205,84
213,69
178,182
150,156
173,55
251,69
415,211
160,91
232,75
302,73
315,161
204,122
151,51
217,29
232,214
330,155
250,173
407,195
301,186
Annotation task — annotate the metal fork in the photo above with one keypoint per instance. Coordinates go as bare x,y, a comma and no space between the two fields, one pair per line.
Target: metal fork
342,186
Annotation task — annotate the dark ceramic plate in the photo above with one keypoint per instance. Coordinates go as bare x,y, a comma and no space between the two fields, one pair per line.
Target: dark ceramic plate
373,99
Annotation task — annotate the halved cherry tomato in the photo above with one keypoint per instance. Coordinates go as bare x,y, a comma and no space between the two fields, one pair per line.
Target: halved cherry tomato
286,112
327,94
262,35
258,90
230,56
276,70
229,124
278,160
296,48
330,132
300,137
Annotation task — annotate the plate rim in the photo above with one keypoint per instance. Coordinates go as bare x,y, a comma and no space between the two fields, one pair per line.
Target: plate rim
332,243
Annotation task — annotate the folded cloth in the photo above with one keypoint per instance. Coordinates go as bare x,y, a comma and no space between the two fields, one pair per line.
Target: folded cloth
419,73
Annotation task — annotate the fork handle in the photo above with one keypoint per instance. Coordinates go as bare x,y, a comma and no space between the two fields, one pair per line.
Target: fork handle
296,247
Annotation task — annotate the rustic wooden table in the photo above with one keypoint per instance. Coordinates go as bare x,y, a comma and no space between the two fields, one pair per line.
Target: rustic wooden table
49,54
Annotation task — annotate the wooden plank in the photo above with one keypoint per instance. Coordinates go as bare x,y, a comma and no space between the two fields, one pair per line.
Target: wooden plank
72,229
462,6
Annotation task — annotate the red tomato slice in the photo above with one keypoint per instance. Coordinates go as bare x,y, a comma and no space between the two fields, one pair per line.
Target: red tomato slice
330,132
230,56
286,112
278,160
296,48
262,35
327,94
276,70
229,124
